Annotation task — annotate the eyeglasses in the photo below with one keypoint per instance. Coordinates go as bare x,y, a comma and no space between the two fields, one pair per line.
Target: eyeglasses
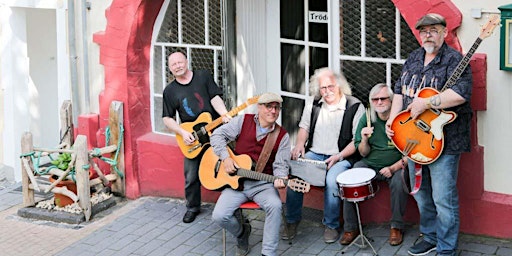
330,87
270,106
380,98
432,32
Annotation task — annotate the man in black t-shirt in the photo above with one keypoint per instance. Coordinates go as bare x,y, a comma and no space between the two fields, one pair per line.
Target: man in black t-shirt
190,94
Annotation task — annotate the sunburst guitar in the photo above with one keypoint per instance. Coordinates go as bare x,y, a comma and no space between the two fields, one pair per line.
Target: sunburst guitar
213,176
422,139
201,129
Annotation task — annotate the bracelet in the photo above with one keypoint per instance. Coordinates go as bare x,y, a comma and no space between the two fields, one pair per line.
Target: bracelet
341,157
428,103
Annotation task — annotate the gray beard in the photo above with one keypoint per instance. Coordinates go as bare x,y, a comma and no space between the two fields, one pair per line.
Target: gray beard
429,49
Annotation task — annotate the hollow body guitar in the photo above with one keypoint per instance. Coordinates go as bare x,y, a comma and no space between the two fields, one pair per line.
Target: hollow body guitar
422,139
213,176
201,129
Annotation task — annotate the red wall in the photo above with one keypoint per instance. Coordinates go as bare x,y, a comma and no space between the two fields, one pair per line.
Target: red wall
154,164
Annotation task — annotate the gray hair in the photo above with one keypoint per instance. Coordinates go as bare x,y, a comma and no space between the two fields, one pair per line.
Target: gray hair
341,82
376,89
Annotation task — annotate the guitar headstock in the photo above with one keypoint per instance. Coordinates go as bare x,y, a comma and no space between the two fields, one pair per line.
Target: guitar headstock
299,185
253,100
489,26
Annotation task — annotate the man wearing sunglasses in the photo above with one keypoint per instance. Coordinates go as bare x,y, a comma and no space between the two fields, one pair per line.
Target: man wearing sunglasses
326,131
379,154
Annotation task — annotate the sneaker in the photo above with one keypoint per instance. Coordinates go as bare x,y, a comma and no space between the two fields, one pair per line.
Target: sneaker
289,231
243,241
422,248
331,235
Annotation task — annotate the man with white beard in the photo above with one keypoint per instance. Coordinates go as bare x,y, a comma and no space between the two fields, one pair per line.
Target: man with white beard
326,131
431,66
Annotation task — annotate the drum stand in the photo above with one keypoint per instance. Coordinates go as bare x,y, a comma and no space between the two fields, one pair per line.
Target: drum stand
360,236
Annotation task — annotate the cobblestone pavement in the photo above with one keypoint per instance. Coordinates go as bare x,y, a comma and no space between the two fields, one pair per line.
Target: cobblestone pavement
153,226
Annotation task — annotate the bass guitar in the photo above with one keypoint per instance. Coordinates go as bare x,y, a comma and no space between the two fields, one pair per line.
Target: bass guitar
422,139
213,176
201,129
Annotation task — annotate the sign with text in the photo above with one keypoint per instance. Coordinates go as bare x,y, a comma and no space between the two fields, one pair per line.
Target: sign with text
318,17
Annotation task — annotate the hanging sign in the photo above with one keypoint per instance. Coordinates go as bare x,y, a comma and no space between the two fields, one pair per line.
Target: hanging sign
318,17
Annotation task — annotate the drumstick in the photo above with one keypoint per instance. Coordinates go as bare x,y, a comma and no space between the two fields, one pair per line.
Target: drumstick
368,119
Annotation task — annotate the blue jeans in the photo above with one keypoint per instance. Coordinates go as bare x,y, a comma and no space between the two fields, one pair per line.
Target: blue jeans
332,201
438,202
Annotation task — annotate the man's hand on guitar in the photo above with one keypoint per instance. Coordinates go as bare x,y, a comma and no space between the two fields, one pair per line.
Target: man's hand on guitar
188,137
229,165
417,106
279,183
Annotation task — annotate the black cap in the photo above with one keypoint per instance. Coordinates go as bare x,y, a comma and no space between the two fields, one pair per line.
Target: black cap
430,19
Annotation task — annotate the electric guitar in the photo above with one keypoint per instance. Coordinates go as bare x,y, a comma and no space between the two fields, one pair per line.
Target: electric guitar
422,140
201,129
213,176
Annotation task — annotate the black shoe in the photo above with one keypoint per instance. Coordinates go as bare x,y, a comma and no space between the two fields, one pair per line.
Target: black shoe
190,216
422,248
243,241
289,231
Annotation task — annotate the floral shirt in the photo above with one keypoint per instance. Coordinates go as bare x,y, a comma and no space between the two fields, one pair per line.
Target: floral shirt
415,76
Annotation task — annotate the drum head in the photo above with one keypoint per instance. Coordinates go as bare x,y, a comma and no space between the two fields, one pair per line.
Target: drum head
355,176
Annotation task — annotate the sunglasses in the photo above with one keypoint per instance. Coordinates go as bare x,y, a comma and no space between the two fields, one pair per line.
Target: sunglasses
380,98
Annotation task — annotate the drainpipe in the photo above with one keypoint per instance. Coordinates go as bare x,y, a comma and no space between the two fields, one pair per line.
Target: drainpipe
86,5
73,61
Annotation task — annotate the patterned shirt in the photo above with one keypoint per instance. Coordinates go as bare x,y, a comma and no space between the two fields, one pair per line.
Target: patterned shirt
416,76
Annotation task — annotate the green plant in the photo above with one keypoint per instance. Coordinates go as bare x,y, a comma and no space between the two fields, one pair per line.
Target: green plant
62,162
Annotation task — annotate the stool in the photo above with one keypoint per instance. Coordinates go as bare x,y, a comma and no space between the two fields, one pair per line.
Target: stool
249,205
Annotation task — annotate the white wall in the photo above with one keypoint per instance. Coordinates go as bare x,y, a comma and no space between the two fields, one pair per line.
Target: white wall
32,89
495,123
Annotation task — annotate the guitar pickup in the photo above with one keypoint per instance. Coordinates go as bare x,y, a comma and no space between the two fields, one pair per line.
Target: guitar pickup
422,125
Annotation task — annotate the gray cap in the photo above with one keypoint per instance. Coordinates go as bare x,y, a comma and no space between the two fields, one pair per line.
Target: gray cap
269,97
430,19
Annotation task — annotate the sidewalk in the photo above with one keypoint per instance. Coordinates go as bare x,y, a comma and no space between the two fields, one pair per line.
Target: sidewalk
153,226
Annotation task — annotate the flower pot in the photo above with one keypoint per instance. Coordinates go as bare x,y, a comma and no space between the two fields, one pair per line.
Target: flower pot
60,199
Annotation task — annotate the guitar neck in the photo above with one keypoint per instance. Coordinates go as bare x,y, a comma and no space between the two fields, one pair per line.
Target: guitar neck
258,176
462,65
209,127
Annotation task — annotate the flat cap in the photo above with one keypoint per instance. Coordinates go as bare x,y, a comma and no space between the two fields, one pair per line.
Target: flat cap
430,19
269,97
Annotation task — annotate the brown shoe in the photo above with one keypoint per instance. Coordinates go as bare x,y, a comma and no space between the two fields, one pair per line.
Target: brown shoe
348,237
395,236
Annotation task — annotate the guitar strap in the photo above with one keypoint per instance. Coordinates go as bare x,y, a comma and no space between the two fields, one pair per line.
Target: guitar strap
267,149
417,178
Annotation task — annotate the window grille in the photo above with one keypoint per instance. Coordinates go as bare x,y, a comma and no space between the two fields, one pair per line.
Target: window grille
193,27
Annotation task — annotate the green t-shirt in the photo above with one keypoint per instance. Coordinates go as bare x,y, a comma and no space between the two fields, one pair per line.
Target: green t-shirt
382,151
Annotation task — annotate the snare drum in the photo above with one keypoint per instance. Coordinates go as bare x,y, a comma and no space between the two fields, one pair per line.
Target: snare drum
357,184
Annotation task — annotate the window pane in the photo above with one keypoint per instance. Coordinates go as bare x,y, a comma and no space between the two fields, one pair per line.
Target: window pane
193,21
291,14
363,76
214,22
292,68
319,58
157,112
169,29
290,121
157,70
350,28
380,29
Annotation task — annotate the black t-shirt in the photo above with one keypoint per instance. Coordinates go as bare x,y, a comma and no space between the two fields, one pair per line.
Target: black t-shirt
192,99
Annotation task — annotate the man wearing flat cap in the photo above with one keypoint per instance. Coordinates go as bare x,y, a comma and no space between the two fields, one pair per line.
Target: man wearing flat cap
252,132
431,66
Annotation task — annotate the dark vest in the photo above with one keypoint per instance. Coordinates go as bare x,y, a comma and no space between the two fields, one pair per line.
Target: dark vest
246,143
346,126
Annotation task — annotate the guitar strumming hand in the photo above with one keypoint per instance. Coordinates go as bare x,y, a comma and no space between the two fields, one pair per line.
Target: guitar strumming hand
231,168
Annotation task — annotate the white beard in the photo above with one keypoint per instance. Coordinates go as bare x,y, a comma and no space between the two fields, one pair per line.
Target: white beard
429,48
